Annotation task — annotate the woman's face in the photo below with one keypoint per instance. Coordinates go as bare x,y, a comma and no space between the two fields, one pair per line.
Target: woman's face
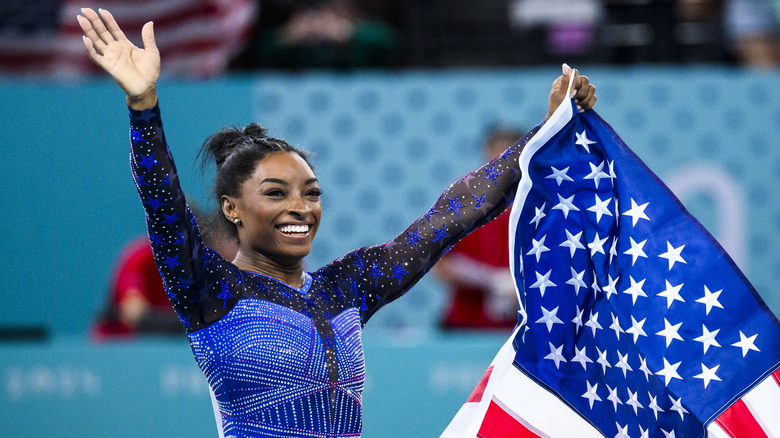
280,208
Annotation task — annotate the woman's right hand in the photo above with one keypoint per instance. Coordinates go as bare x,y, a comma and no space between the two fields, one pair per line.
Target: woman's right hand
135,70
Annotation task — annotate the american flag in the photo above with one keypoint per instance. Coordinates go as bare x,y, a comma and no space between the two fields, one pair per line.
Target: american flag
196,38
634,322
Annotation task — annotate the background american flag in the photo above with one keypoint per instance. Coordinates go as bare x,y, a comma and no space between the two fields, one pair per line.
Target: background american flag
196,38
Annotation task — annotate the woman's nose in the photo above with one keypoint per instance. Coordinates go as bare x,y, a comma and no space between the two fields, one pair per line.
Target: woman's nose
299,206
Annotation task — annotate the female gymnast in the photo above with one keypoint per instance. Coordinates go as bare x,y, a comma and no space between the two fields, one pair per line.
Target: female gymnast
280,347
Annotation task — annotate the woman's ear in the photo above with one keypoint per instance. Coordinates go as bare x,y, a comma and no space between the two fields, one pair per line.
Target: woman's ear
230,209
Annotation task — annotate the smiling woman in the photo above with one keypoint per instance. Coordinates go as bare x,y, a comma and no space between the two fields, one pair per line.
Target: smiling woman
270,198
280,347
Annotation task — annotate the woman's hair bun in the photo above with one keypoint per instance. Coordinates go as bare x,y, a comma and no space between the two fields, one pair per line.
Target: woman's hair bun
220,145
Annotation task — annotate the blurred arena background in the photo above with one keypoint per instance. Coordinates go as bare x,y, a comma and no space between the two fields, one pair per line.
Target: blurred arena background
674,79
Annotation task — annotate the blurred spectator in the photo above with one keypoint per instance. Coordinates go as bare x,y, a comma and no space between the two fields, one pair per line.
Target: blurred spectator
570,24
137,301
481,291
324,34
753,30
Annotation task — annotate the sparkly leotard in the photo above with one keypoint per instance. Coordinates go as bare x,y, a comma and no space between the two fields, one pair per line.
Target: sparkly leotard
281,361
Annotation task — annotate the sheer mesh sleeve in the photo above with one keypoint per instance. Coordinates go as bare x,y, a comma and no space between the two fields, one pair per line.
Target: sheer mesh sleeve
200,284
377,275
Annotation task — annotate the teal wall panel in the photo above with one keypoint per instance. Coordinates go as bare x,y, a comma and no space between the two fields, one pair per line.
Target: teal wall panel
67,198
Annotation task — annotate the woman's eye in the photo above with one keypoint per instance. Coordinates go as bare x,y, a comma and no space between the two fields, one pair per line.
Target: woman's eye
274,192
314,192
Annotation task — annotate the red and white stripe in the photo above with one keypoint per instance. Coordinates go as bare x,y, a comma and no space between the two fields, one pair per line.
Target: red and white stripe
27,54
757,414
196,38
506,403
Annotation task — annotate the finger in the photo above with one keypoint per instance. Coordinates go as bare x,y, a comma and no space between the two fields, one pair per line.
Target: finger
147,36
558,84
90,34
111,25
575,83
89,13
589,101
582,88
93,55
99,27
563,80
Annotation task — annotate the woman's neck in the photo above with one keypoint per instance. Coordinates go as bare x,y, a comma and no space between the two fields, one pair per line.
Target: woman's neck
290,274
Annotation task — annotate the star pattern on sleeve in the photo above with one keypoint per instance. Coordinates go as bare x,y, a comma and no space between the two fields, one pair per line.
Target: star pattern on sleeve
478,201
412,239
155,203
225,293
439,233
430,213
172,261
492,174
376,272
156,239
358,261
455,205
135,135
179,239
171,219
398,271
147,161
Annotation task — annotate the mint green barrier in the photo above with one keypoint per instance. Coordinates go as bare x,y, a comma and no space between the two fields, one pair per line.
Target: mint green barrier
386,144
70,388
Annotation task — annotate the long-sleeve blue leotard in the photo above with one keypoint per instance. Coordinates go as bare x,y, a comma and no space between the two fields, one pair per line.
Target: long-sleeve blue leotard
281,361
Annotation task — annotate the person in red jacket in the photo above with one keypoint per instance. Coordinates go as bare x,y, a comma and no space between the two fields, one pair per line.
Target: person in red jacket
481,292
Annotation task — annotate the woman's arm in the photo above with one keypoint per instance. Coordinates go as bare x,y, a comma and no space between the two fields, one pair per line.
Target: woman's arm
466,205
200,284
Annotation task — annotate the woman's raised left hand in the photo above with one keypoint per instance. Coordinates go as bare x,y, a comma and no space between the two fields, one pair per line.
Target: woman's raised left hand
585,96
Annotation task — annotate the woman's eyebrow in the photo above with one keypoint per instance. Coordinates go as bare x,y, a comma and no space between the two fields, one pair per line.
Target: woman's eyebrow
283,182
274,180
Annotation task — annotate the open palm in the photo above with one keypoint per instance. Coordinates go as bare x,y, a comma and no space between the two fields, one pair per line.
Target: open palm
135,70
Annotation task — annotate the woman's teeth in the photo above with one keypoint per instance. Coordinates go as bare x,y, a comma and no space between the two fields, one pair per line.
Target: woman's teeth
292,229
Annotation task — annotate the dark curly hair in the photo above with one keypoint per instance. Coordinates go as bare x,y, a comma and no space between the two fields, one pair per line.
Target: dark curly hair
236,152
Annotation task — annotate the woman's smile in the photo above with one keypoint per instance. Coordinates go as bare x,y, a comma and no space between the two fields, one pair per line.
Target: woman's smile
295,231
